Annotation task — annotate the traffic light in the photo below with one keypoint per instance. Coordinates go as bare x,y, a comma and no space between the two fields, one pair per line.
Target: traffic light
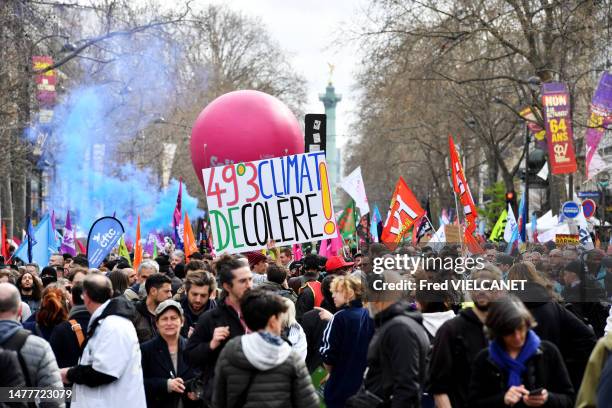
511,199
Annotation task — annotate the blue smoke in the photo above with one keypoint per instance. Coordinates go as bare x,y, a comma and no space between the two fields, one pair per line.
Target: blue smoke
109,112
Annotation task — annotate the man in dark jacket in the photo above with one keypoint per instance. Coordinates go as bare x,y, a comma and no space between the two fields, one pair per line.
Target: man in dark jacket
158,288
574,339
200,290
217,326
68,337
307,298
585,295
277,282
397,355
260,369
314,326
456,345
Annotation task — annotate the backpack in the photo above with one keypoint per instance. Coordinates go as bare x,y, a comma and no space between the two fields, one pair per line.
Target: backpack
15,343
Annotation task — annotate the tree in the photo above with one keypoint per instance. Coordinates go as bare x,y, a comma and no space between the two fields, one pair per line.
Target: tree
439,66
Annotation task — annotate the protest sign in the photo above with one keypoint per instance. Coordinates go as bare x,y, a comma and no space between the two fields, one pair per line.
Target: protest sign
285,199
452,233
562,240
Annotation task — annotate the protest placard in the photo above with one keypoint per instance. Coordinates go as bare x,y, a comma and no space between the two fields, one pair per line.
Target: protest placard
561,240
285,199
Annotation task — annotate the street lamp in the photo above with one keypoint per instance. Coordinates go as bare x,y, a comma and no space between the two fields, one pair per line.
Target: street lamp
603,180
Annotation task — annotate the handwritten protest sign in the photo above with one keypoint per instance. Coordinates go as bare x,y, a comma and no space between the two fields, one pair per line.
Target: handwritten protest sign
285,199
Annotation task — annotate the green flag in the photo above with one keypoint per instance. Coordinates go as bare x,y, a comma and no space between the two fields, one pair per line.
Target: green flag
123,251
500,226
347,221
154,250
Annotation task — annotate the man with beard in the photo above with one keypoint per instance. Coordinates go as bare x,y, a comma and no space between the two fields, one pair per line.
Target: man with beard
457,343
200,288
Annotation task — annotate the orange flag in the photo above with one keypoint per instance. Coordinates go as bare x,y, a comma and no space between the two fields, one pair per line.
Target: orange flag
189,243
404,211
137,246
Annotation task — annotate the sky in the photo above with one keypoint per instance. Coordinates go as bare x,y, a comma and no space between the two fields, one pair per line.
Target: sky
307,31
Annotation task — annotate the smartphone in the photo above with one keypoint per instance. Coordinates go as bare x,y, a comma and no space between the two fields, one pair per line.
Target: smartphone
537,391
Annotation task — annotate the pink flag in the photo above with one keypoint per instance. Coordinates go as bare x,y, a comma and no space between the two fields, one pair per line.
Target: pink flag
68,246
297,252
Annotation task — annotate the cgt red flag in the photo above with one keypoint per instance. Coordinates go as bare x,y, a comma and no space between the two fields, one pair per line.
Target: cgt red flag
462,189
404,211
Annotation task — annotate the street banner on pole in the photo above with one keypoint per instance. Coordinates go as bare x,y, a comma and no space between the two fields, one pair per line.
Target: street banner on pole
559,131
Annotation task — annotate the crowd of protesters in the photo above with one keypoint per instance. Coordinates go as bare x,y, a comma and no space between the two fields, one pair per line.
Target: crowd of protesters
263,329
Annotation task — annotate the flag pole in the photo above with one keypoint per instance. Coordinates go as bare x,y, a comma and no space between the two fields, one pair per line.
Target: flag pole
450,182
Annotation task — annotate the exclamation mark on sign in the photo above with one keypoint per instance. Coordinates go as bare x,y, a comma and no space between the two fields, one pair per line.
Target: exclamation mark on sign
329,227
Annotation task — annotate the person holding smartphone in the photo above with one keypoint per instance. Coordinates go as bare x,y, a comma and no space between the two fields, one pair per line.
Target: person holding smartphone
518,369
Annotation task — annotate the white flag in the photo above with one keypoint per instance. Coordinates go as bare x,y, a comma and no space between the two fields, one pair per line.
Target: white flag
510,224
353,185
438,240
583,231
543,173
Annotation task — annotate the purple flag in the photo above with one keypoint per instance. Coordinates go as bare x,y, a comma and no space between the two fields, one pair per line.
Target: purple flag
67,246
177,217
149,245
601,116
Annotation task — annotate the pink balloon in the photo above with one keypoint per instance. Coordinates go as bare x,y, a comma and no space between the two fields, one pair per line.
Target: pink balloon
243,126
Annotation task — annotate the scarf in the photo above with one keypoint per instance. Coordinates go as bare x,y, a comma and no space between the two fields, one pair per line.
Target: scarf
514,367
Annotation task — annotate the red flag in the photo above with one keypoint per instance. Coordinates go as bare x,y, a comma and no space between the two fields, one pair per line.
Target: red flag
137,246
472,244
5,246
404,211
189,242
82,249
462,189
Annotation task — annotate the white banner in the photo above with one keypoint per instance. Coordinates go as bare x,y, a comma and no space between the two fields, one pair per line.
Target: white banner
285,199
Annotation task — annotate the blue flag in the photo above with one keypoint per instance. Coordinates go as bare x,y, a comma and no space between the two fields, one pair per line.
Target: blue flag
374,221
519,230
103,236
40,243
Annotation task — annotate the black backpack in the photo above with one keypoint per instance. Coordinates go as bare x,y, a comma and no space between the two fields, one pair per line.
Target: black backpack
15,343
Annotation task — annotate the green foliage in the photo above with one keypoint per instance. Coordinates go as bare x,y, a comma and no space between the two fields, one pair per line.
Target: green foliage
495,198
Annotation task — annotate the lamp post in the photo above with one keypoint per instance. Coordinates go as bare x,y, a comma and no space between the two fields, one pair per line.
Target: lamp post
603,180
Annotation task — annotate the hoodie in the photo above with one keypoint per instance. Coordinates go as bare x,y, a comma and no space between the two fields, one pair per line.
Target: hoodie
262,370
433,321
7,329
264,351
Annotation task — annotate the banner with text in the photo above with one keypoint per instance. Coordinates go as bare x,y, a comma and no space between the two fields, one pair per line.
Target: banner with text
285,199
559,131
103,236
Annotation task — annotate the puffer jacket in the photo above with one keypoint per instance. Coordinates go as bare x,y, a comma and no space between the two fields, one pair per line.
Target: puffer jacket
278,376
39,359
